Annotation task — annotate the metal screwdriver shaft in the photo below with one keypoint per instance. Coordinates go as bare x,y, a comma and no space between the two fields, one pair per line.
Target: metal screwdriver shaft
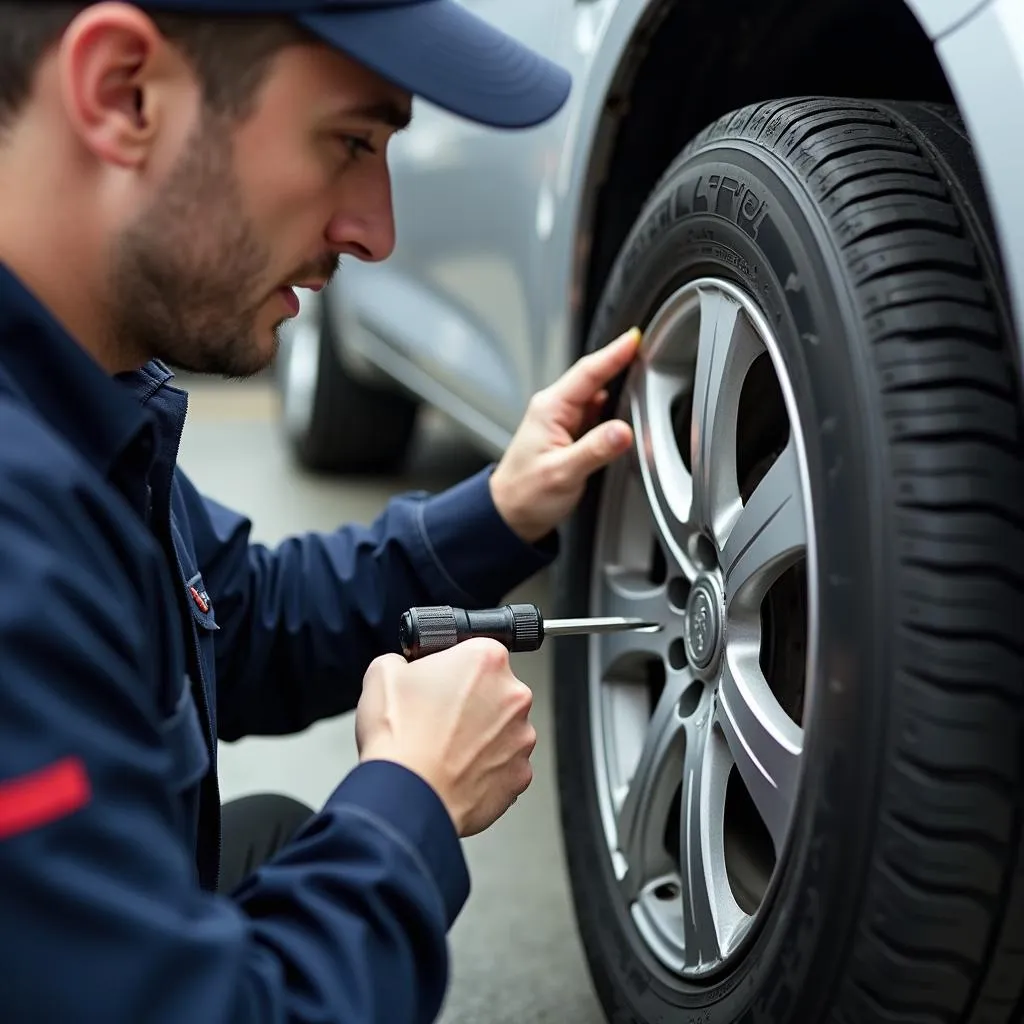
608,624
520,627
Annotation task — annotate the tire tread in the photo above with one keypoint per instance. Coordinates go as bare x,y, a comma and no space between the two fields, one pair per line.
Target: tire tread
940,933
930,949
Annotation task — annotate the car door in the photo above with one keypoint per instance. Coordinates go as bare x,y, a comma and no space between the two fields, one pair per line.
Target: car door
455,301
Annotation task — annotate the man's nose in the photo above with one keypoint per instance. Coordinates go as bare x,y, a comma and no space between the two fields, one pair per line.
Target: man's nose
365,227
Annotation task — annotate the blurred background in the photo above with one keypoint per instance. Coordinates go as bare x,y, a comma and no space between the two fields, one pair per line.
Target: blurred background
515,955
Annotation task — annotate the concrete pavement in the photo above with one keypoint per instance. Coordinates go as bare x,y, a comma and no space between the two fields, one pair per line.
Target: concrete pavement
515,955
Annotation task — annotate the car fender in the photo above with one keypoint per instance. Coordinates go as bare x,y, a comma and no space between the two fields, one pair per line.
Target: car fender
982,56
980,44
938,17
606,37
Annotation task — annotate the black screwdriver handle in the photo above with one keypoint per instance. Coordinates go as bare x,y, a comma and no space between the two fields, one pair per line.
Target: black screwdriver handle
427,630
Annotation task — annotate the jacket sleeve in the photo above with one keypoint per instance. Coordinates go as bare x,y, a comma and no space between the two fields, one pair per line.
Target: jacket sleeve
103,920
300,624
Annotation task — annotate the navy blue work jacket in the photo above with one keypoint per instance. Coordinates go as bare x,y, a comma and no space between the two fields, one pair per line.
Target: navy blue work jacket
139,623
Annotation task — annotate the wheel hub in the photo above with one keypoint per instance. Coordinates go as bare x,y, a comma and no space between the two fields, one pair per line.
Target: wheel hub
702,633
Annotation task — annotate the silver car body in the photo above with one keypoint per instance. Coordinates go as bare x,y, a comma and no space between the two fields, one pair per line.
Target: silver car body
480,305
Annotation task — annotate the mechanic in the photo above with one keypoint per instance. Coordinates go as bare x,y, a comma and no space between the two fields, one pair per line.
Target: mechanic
167,171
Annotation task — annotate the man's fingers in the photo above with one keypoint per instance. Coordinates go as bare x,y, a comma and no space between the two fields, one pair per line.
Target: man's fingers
590,374
595,407
598,447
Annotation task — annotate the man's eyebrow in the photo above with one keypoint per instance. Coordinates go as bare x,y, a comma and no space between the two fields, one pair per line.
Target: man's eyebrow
391,114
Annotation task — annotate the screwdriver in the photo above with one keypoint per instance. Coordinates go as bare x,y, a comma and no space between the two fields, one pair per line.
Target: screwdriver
520,627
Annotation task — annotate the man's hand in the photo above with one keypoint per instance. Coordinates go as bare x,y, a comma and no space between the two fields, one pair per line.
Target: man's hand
460,720
544,471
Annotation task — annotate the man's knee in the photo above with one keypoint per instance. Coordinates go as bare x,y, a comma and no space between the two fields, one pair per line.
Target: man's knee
265,810
255,828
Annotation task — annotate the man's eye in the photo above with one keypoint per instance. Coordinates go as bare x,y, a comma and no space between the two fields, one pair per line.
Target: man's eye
356,145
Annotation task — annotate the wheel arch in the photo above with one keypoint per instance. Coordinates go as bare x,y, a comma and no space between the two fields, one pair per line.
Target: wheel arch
764,50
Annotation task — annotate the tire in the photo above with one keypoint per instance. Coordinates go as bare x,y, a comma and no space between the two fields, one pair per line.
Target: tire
332,422
859,232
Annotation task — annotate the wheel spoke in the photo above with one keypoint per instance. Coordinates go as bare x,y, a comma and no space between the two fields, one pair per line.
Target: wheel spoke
727,347
765,742
666,482
710,913
769,535
630,523
655,783
630,595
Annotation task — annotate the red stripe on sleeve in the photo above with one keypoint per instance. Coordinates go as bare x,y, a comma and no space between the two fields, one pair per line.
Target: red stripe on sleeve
43,796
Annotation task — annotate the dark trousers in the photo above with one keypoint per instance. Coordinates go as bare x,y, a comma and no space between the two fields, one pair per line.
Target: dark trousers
254,828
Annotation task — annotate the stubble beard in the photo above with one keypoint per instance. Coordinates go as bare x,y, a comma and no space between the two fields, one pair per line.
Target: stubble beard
189,277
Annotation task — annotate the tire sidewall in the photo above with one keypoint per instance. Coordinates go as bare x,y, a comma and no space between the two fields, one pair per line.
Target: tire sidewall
732,211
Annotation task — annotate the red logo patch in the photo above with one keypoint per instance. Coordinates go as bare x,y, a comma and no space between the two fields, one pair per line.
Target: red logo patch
34,800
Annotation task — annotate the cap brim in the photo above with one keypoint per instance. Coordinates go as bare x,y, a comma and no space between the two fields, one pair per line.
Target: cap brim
450,57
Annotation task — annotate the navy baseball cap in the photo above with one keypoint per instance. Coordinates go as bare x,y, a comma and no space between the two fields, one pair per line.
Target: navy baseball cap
435,49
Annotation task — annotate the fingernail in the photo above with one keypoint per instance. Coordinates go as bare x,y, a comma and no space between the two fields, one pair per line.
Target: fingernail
633,334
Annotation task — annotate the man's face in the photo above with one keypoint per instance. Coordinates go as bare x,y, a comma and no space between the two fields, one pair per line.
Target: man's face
202,275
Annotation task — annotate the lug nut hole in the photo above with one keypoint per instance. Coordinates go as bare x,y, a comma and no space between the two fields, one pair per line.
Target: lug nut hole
677,654
678,592
690,700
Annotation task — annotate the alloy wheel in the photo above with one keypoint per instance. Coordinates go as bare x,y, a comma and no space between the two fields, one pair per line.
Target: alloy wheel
697,731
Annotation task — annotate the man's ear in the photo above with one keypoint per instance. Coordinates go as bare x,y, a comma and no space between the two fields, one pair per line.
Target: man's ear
115,68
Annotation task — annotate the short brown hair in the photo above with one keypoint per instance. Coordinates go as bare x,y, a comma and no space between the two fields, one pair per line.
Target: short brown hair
230,55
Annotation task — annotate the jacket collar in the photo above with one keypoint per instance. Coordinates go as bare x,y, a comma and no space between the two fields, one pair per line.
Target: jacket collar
98,414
